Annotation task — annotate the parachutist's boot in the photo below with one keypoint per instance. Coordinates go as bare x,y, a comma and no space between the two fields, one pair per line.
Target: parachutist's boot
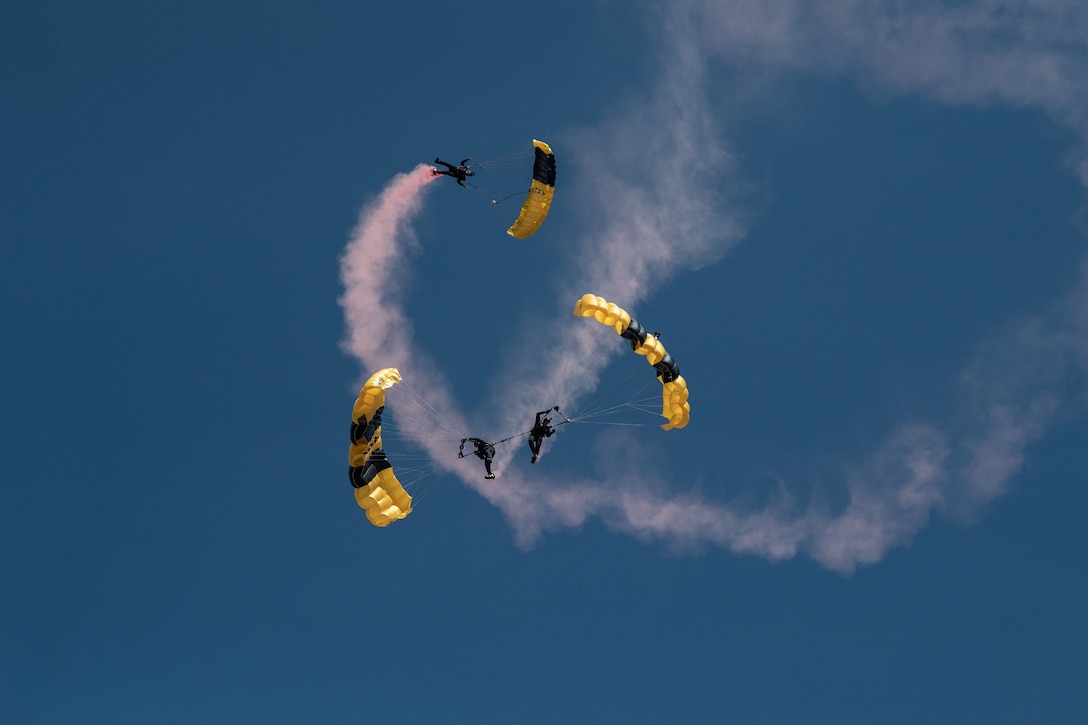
534,459
489,476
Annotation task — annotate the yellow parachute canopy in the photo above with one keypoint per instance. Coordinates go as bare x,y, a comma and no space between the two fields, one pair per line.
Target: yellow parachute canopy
377,489
539,199
674,405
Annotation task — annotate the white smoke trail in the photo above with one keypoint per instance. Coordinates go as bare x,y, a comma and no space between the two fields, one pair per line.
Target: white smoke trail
679,215
683,214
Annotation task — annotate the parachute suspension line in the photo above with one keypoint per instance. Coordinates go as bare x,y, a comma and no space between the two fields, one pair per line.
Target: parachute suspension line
418,471
615,423
407,415
425,479
452,434
620,397
496,202
510,438
577,389
483,192
596,408
515,159
418,403
527,432
645,406
593,407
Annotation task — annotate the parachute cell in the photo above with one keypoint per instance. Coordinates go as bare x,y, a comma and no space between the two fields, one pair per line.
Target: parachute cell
377,489
539,200
674,405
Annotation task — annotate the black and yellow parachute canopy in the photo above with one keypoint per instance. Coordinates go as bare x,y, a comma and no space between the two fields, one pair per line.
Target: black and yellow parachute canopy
674,389
377,489
539,200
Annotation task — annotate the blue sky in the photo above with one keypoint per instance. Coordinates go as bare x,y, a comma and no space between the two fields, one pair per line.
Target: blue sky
859,228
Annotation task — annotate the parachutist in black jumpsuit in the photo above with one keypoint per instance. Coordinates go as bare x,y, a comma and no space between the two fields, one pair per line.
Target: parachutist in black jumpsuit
484,450
457,172
542,428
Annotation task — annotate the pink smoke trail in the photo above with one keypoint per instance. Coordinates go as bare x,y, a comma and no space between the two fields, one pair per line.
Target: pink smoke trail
378,333
374,270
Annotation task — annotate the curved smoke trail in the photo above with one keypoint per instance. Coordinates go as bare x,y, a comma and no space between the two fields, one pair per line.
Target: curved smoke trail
1017,387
